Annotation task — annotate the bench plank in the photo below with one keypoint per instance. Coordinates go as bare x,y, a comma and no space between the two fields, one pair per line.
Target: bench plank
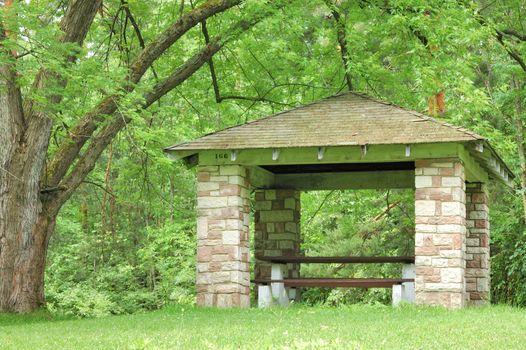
339,282
337,259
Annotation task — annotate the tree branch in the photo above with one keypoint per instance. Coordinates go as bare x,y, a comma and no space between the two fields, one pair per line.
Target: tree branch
13,123
215,83
514,33
88,159
500,38
511,52
75,26
86,126
342,41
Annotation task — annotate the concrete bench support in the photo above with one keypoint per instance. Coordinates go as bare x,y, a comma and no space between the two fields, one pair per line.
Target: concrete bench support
279,292
276,292
406,291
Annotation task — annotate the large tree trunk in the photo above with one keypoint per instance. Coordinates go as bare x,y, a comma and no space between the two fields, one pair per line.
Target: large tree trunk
25,221
27,213
23,258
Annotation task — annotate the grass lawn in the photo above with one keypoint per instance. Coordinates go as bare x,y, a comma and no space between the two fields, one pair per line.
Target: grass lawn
297,327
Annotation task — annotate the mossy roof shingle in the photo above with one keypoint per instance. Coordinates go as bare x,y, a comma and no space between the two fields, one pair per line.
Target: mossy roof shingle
342,120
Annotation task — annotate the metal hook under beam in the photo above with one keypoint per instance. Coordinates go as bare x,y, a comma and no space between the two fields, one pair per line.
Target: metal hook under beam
275,154
363,149
321,152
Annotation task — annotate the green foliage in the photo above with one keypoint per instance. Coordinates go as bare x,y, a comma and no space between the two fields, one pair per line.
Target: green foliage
508,262
343,223
126,240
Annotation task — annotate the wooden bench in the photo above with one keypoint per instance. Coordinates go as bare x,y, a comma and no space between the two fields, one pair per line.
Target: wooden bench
280,289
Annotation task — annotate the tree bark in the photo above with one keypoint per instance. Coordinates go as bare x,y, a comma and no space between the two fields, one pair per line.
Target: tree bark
519,139
342,41
26,218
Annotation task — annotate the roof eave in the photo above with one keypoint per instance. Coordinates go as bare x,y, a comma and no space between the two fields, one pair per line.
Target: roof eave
484,153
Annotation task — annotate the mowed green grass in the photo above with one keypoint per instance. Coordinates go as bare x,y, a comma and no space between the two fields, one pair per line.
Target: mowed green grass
297,327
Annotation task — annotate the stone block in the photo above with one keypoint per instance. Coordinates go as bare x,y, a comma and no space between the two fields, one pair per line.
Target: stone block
422,228
218,178
233,224
483,284
234,201
212,202
427,251
221,277
291,227
237,180
263,205
422,181
446,171
281,236
451,275
207,186
436,164
443,239
290,203
277,216
270,194
230,190
440,262
202,227
423,260
231,170
450,228
203,176
472,272
225,300
424,208
209,168
202,267
473,242
286,245
204,278
430,171
452,208
444,287
231,237
451,253
479,198
482,215
451,181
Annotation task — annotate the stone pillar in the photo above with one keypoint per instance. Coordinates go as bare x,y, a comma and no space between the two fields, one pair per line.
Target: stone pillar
223,274
440,232
477,245
277,228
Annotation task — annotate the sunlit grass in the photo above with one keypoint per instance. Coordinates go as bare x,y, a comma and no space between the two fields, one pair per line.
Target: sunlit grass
298,327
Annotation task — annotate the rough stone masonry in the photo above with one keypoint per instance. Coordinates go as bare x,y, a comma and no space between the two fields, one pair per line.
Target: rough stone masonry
277,229
223,272
440,232
477,245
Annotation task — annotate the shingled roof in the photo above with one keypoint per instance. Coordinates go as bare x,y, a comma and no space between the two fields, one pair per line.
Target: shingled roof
348,119
342,120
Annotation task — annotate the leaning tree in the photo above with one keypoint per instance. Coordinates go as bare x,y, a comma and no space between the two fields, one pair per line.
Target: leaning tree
34,181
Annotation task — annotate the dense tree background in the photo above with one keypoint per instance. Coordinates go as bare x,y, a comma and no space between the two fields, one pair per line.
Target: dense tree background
125,240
